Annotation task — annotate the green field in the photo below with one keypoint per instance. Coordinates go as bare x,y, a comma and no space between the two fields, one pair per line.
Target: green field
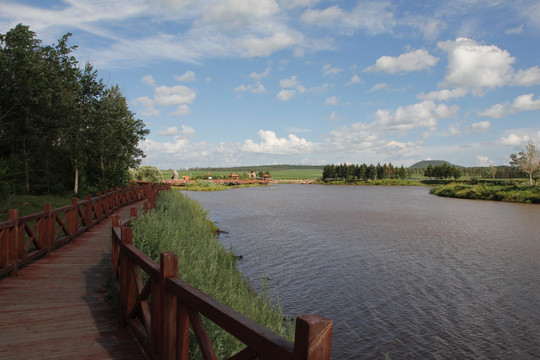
276,172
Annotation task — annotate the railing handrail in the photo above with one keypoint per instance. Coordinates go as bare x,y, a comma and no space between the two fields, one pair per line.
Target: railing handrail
162,328
25,238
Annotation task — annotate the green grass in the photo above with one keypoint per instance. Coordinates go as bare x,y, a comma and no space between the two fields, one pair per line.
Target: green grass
205,185
278,173
487,191
30,204
181,225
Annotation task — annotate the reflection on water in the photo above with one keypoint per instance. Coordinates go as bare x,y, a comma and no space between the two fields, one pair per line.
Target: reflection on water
402,273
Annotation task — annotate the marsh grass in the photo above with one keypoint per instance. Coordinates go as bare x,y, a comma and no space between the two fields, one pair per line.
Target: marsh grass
181,225
486,191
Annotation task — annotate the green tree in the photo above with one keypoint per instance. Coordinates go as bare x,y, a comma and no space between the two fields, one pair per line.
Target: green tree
428,172
527,160
59,126
146,173
21,83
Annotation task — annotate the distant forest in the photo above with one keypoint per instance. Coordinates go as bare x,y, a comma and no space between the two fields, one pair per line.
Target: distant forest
257,168
385,171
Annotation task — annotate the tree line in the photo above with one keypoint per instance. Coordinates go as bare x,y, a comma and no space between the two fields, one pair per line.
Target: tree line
443,171
355,172
61,128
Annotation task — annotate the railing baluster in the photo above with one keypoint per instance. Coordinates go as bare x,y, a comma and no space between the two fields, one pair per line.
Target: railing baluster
14,241
168,268
45,238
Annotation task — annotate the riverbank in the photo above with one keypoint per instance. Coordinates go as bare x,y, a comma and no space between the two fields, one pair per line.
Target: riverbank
486,191
181,225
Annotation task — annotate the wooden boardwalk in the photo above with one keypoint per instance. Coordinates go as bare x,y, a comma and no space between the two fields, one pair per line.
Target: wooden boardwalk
55,308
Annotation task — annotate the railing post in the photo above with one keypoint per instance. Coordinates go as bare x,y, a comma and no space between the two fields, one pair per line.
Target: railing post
116,198
88,210
313,338
115,249
13,241
99,206
133,212
45,233
106,202
74,218
127,239
167,334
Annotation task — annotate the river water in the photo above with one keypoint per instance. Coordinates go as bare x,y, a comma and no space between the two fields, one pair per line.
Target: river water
402,273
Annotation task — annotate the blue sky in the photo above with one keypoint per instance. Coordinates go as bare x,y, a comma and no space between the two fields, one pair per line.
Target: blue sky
256,82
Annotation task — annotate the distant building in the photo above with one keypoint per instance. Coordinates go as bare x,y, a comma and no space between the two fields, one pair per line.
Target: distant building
234,176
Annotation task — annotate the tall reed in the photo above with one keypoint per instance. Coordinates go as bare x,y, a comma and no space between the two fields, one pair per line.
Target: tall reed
181,225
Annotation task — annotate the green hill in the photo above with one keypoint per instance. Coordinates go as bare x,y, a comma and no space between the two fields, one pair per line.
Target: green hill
425,163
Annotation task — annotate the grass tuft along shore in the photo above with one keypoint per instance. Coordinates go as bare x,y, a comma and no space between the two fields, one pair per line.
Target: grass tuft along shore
485,191
181,225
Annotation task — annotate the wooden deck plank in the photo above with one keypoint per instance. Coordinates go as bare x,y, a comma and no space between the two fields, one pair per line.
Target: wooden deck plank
55,308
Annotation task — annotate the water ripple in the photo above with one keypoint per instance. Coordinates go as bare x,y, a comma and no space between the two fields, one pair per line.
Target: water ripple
402,273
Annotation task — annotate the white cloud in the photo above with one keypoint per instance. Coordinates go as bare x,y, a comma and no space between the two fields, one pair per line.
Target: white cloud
497,111
149,80
332,101
515,31
513,140
297,3
412,61
443,95
175,95
169,132
483,160
270,144
258,88
475,66
372,138
285,95
241,88
289,83
525,103
328,70
527,77
260,76
182,110
420,115
165,96
454,129
373,17
333,117
253,46
355,79
233,14
148,106
188,76
520,103
188,131
380,86
481,126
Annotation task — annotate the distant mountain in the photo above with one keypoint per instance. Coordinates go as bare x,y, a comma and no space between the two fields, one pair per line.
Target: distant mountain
425,163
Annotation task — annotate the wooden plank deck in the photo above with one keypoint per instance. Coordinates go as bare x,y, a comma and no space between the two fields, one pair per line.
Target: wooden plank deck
55,308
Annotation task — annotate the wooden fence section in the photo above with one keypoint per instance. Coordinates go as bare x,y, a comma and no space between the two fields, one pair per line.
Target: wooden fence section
23,239
160,311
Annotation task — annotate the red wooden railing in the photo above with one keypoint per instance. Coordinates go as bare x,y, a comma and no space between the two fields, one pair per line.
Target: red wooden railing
25,238
160,311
